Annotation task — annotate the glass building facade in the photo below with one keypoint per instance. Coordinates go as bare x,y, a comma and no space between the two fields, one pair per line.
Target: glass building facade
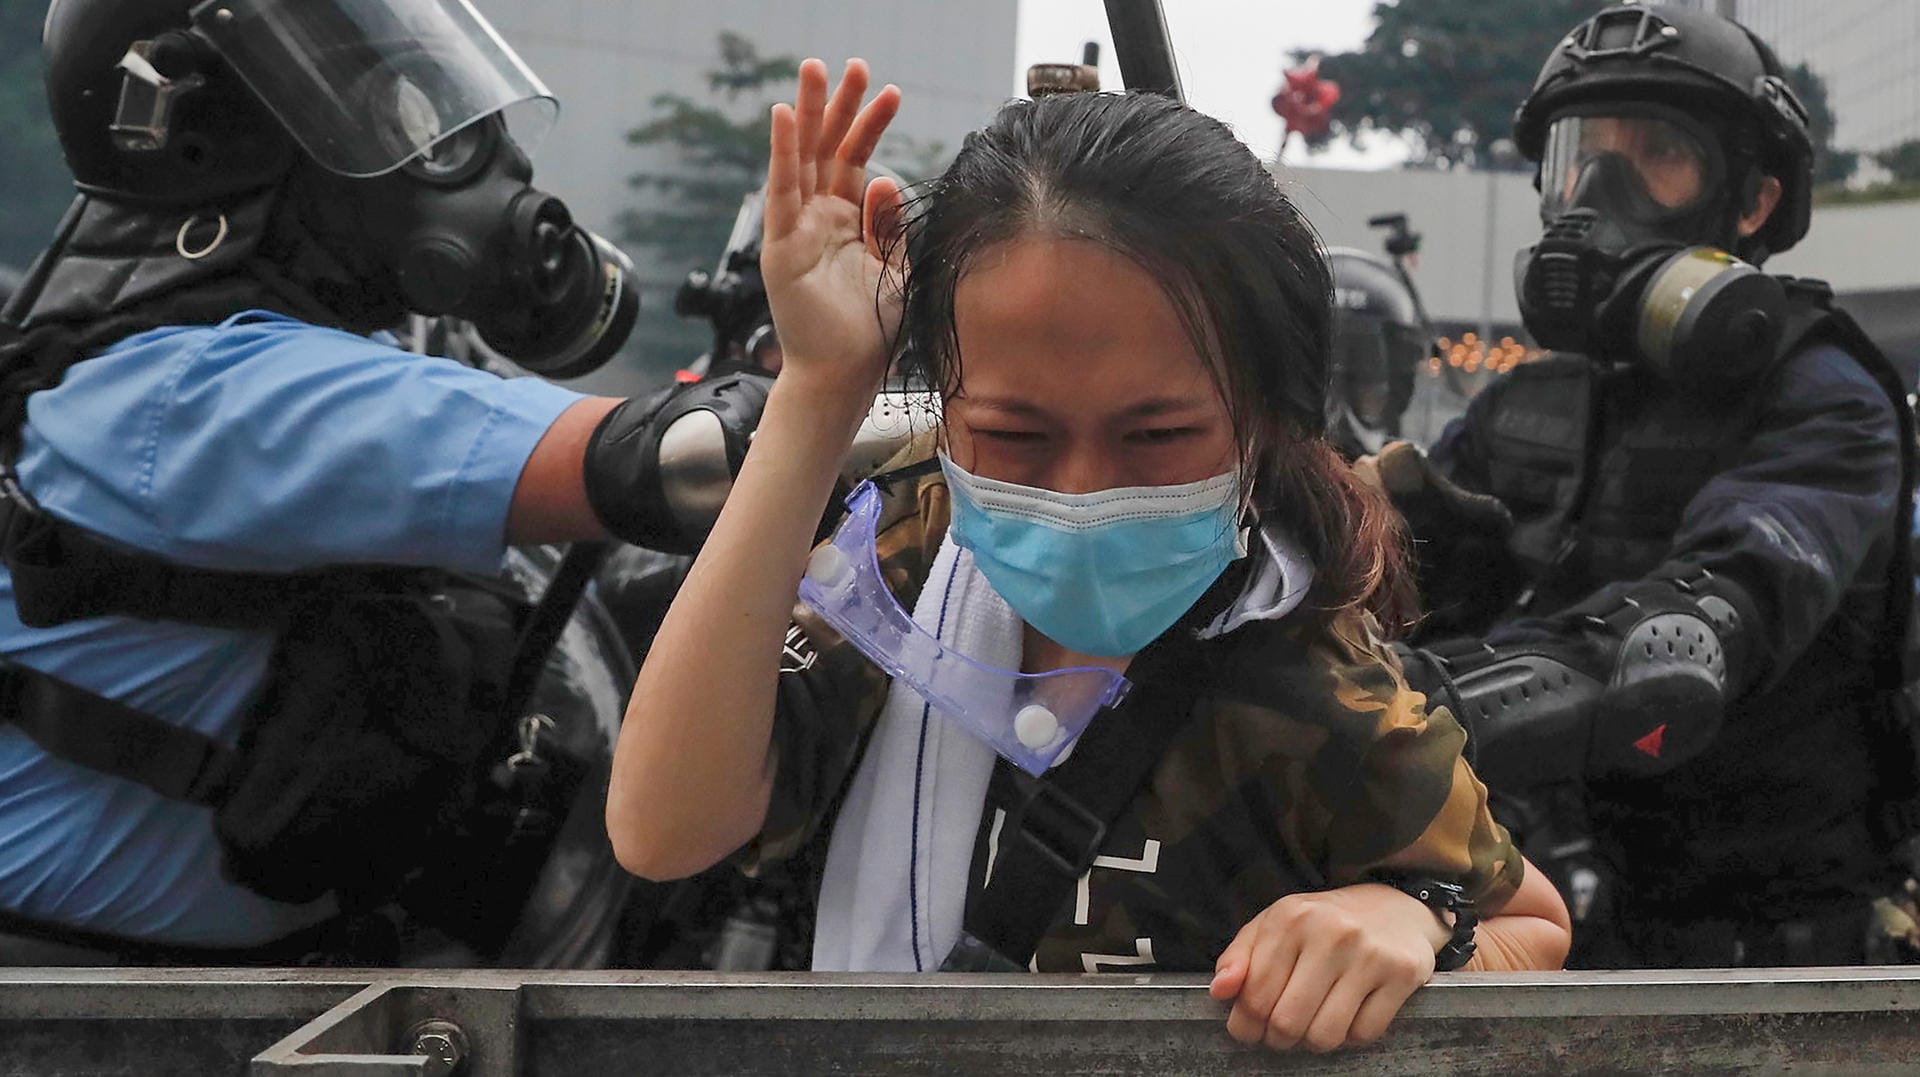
1867,51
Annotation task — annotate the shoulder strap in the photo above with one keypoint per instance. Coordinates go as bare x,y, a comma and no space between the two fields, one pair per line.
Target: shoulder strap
549,619
89,730
63,572
1055,825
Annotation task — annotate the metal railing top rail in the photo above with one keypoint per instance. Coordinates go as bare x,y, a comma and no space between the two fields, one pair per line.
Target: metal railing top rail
443,1023
158,993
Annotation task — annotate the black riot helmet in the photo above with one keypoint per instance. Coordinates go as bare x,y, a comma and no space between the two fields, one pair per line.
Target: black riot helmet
145,112
1685,83
1379,340
1655,129
373,134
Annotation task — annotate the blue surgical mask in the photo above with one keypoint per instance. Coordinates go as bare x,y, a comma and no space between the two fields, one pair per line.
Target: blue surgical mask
1103,573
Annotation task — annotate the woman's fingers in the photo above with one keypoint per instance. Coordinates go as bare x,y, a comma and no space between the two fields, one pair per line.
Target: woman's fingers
849,171
809,102
1228,978
880,219
1307,990
842,107
1331,1023
783,175
1272,962
1378,1011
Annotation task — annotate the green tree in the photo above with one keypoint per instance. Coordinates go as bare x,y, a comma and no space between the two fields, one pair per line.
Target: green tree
1902,160
34,184
719,153
1448,74
1831,167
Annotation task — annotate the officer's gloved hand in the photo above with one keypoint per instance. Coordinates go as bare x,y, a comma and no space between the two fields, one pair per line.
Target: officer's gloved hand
1467,574
1431,502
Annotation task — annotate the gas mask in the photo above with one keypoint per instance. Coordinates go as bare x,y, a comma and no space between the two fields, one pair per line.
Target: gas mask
465,234
1633,206
406,100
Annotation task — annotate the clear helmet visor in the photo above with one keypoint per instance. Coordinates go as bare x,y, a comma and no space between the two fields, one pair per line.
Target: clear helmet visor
1661,164
365,85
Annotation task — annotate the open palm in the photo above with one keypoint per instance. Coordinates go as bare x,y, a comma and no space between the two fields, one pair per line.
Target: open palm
821,256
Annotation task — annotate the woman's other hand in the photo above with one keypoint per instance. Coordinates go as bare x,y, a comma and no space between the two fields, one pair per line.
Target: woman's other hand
1327,968
828,231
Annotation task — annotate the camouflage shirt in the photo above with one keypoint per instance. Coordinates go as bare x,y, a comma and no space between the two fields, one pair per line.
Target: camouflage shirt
1309,764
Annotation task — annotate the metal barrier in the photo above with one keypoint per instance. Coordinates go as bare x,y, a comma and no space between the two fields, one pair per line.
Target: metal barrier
305,1023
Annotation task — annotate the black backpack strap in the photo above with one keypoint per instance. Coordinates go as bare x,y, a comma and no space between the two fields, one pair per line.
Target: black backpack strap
1055,825
87,729
549,619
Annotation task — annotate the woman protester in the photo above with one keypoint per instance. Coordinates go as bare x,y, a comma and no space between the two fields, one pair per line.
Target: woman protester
1128,325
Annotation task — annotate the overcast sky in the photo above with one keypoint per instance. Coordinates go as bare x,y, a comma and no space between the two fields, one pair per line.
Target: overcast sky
1230,54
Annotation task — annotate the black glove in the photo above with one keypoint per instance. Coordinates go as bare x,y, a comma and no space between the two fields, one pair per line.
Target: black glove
1467,574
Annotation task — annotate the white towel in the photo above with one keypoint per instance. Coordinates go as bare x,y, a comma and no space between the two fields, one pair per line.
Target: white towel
895,885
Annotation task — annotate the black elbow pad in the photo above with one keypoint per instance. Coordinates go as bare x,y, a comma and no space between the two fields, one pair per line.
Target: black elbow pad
659,467
1634,683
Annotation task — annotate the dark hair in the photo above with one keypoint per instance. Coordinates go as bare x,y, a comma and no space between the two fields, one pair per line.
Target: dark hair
1175,192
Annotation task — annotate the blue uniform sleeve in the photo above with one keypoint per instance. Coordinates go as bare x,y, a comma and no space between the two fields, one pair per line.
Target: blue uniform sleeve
266,444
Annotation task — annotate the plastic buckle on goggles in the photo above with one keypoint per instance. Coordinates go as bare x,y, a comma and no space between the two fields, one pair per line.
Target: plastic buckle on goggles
1028,718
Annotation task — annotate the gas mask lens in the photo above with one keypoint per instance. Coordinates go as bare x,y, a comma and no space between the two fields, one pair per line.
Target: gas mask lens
1639,166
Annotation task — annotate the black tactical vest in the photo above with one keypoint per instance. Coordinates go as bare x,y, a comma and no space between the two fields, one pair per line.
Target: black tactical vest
1785,811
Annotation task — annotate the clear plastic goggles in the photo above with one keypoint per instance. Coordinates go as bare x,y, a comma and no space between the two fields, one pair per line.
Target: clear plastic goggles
1029,718
365,85
1670,165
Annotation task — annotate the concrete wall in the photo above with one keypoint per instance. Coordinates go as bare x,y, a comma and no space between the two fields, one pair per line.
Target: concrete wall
1472,223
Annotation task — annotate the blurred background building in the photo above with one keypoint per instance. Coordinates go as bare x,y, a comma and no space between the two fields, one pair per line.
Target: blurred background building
612,61
1868,54
664,103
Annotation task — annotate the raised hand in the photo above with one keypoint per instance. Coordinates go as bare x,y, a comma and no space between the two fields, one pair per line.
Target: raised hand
834,298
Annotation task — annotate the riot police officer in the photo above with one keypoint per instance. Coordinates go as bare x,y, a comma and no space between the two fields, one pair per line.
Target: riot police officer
1686,575
1379,339
260,675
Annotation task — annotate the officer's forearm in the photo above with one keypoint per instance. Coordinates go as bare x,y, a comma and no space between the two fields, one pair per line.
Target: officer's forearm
550,500
1633,681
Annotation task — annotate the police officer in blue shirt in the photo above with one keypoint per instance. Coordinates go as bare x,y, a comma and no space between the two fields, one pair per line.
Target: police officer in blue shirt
251,666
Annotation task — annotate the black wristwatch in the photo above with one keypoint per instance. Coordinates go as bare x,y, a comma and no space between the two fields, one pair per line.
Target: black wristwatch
1445,898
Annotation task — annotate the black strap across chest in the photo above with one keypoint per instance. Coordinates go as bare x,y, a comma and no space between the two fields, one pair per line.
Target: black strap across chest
1055,825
